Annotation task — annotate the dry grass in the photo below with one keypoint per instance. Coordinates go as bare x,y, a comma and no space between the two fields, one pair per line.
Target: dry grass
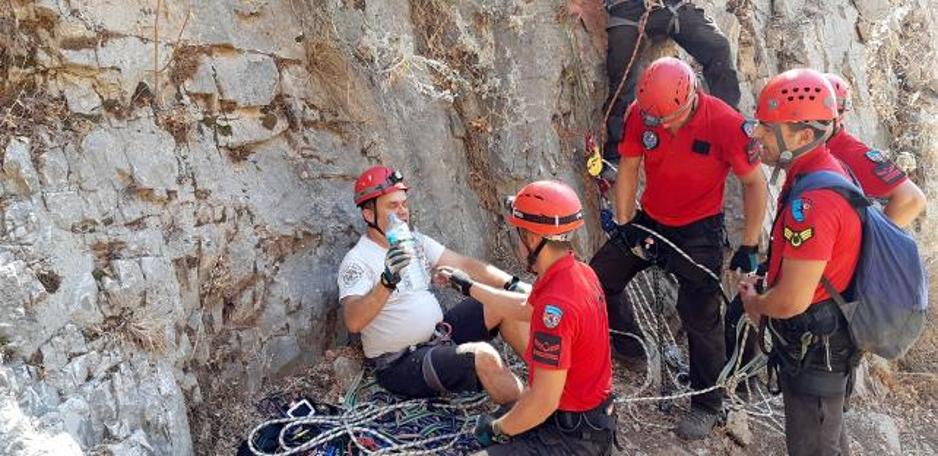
145,332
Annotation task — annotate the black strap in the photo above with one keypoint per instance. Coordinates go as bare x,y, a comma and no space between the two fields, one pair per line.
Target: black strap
835,295
545,220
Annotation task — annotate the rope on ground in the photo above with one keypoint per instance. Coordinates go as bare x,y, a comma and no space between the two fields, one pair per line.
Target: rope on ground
378,426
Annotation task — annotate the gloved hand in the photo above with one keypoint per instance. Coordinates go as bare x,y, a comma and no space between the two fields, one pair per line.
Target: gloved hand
458,279
746,259
397,258
629,234
486,432
516,285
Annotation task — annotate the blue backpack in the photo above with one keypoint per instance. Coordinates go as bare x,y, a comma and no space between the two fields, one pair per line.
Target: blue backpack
889,291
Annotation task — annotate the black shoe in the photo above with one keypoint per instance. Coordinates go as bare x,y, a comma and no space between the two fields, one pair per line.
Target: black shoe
697,424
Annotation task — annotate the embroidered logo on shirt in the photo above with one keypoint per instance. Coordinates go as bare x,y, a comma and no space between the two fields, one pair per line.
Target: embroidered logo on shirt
748,127
888,173
875,156
546,349
797,238
753,150
649,139
799,207
352,274
552,316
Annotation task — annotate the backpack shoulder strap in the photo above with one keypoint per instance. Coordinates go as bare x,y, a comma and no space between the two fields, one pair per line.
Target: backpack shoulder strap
832,181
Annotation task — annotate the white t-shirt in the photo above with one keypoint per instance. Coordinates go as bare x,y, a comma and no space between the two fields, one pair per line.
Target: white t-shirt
408,317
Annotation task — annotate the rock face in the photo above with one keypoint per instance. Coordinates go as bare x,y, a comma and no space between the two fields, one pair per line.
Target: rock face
176,179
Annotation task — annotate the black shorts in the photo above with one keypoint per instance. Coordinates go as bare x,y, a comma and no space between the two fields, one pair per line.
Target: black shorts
547,439
411,377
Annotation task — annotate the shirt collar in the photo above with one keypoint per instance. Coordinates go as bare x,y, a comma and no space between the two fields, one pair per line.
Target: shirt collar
561,264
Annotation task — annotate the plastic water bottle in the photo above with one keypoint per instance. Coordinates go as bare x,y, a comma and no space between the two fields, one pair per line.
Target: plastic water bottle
415,276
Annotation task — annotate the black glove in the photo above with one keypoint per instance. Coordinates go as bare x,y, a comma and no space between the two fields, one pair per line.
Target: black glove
516,285
630,235
486,433
746,259
461,281
397,258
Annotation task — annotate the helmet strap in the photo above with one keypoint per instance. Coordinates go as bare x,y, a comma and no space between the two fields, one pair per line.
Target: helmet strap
374,210
533,254
786,156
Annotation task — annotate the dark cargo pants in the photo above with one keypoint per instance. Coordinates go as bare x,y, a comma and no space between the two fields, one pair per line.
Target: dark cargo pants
693,30
698,302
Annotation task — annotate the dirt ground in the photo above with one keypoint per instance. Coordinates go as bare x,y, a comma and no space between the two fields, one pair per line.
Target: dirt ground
910,399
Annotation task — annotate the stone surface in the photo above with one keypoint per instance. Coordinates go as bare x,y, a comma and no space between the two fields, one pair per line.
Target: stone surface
877,433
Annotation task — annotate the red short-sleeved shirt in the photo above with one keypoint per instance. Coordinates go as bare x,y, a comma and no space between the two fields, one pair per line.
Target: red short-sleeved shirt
820,225
569,330
877,175
685,173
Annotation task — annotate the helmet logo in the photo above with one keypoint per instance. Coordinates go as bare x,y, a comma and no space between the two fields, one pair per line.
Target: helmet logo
773,104
649,139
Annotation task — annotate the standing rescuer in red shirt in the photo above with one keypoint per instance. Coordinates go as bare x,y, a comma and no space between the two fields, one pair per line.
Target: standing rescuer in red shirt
817,235
566,407
878,176
688,142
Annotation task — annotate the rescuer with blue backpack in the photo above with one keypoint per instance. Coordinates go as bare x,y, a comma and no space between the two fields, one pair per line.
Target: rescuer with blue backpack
842,279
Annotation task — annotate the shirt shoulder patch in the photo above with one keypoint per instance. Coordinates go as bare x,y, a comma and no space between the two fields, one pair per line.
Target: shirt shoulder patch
875,156
797,238
546,349
799,207
650,139
552,316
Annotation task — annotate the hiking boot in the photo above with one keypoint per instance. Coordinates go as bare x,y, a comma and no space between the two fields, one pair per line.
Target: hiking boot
697,424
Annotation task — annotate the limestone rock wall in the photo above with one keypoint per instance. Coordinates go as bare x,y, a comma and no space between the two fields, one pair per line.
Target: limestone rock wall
176,176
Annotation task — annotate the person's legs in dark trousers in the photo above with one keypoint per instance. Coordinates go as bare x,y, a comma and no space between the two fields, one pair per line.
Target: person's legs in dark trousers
699,309
622,40
814,425
616,265
698,306
701,38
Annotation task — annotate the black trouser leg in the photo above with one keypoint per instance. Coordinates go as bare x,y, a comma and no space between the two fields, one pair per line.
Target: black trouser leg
698,303
616,265
814,425
622,41
701,38
730,323
699,309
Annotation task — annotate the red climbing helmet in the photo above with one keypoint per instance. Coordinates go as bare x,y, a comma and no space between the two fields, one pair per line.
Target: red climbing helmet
376,181
800,95
666,89
841,91
549,208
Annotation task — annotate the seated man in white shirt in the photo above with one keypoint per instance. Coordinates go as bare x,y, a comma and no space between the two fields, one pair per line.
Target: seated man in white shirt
415,349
